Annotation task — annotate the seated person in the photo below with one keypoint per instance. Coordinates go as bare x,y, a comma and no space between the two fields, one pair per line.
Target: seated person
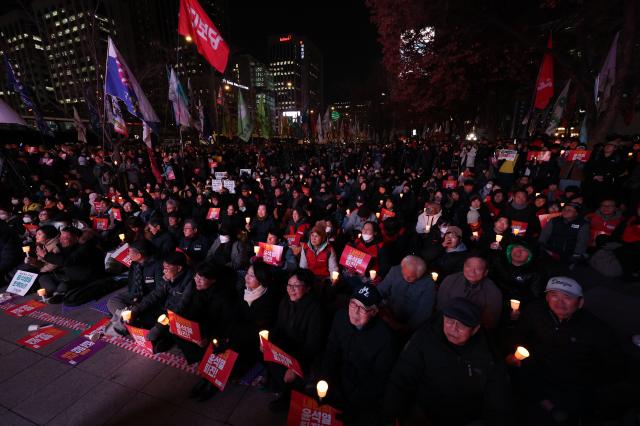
453,253
192,243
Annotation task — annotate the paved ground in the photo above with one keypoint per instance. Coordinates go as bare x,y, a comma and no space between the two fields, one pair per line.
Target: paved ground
114,387
117,386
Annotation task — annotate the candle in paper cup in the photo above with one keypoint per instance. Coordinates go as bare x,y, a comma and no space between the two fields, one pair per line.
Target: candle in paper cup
427,228
434,276
121,236
516,231
163,319
348,212
310,200
515,304
475,233
215,342
42,292
359,235
401,194
126,316
372,274
322,387
498,238
26,249
378,215
334,276
264,335
521,353
247,219
256,249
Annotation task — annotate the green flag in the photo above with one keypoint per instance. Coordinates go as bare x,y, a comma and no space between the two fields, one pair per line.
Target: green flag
244,120
558,110
262,118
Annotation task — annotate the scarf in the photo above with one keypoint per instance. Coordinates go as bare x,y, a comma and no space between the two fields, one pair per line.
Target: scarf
251,296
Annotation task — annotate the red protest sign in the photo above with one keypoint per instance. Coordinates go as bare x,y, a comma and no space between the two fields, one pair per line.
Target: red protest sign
138,200
140,337
449,184
183,328
31,228
293,239
519,228
213,213
272,353
117,214
97,327
355,259
305,411
100,223
539,156
42,338
194,22
122,255
271,254
25,308
579,155
216,368
545,218
386,214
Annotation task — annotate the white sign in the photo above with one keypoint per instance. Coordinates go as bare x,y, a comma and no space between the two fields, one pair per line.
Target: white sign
507,154
22,282
216,185
230,185
245,171
221,175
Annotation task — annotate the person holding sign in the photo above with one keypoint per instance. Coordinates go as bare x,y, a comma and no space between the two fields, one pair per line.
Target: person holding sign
192,242
521,211
318,255
565,238
359,357
299,331
145,272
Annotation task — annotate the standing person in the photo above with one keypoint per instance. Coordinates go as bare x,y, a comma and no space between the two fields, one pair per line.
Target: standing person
359,357
300,331
447,374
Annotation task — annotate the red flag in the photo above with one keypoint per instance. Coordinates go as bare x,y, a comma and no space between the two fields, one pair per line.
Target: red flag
194,22
544,85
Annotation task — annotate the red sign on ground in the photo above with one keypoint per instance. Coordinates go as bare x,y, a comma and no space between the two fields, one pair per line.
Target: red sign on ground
216,368
42,338
25,308
184,328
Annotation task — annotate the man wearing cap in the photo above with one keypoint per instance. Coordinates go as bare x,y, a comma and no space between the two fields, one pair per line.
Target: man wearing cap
572,353
447,374
565,238
144,273
472,284
408,295
454,252
358,358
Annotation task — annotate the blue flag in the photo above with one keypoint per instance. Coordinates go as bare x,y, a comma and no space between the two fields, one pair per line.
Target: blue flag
121,83
19,88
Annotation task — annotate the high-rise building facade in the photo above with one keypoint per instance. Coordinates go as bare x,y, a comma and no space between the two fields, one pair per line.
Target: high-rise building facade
296,65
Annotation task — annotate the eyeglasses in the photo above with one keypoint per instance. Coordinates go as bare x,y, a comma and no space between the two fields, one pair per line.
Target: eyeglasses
359,309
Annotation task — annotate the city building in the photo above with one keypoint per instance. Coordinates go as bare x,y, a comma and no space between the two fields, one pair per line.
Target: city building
297,68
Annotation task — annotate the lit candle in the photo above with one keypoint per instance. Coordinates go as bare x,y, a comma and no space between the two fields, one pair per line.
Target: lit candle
163,319
247,220
348,212
515,304
475,234
537,194
516,231
263,335
121,236
256,249
42,293
215,342
561,204
521,353
310,200
401,194
26,249
427,228
359,235
562,152
434,276
378,215
498,238
126,316
372,274
322,387
630,154
334,276
380,202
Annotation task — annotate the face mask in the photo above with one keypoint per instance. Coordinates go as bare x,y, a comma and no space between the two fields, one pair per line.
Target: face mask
224,239
242,209
26,219
443,229
367,237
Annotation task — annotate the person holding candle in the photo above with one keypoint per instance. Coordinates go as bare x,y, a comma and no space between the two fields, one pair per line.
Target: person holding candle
520,210
300,331
358,359
318,254
259,226
47,241
428,219
447,374
573,356
496,236
409,295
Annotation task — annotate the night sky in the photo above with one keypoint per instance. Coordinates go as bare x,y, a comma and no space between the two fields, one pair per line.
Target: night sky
341,30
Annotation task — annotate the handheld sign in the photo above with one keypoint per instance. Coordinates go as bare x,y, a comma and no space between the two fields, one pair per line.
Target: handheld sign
519,228
272,353
230,185
507,154
183,328
305,411
386,214
541,156
545,218
140,337
271,254
22,282
216,368
449,184
355,259
216,185
122,255
100,223
579,155
245,172
213,213
293,239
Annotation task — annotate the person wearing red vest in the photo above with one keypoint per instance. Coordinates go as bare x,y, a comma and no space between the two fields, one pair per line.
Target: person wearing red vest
298,224
604,220
369,242
318,255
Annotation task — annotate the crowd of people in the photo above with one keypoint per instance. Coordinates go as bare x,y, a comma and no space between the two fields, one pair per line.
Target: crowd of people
467,312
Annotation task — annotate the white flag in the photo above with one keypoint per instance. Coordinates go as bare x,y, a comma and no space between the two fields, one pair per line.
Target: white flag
178,101
558,110
82,131
606,77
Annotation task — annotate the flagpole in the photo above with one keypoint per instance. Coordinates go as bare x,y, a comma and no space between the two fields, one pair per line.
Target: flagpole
104,95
